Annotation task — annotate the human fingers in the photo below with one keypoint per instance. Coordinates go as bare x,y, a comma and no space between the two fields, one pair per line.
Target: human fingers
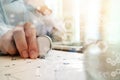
30,33
7,43
20,41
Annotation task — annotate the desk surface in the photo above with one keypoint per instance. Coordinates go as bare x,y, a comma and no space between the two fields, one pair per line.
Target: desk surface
57,65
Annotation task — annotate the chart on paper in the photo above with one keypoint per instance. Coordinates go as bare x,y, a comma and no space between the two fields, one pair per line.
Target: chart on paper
57,65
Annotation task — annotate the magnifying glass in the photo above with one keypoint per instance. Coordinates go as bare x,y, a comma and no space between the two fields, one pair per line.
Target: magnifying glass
44,45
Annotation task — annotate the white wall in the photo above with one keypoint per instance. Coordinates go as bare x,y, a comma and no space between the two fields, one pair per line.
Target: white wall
112,28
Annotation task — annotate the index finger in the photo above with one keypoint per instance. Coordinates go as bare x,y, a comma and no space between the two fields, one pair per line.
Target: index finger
20,41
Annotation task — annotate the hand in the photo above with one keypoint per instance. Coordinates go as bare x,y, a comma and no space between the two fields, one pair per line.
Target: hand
44,10
22,39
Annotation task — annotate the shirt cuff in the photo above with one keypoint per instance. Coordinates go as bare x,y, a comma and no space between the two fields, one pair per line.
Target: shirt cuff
4,30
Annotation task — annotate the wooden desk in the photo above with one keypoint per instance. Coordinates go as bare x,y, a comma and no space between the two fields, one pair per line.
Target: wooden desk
57,65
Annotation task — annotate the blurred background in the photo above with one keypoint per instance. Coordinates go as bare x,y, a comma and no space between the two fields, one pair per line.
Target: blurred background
87,20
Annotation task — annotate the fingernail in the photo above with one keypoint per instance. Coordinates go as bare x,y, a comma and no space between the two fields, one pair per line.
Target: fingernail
33,54
24,54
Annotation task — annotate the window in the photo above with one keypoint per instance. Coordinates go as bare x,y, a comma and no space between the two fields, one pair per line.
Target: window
81,18
87,20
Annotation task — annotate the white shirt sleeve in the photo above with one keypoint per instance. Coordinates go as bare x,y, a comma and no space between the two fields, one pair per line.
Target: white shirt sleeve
3,27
